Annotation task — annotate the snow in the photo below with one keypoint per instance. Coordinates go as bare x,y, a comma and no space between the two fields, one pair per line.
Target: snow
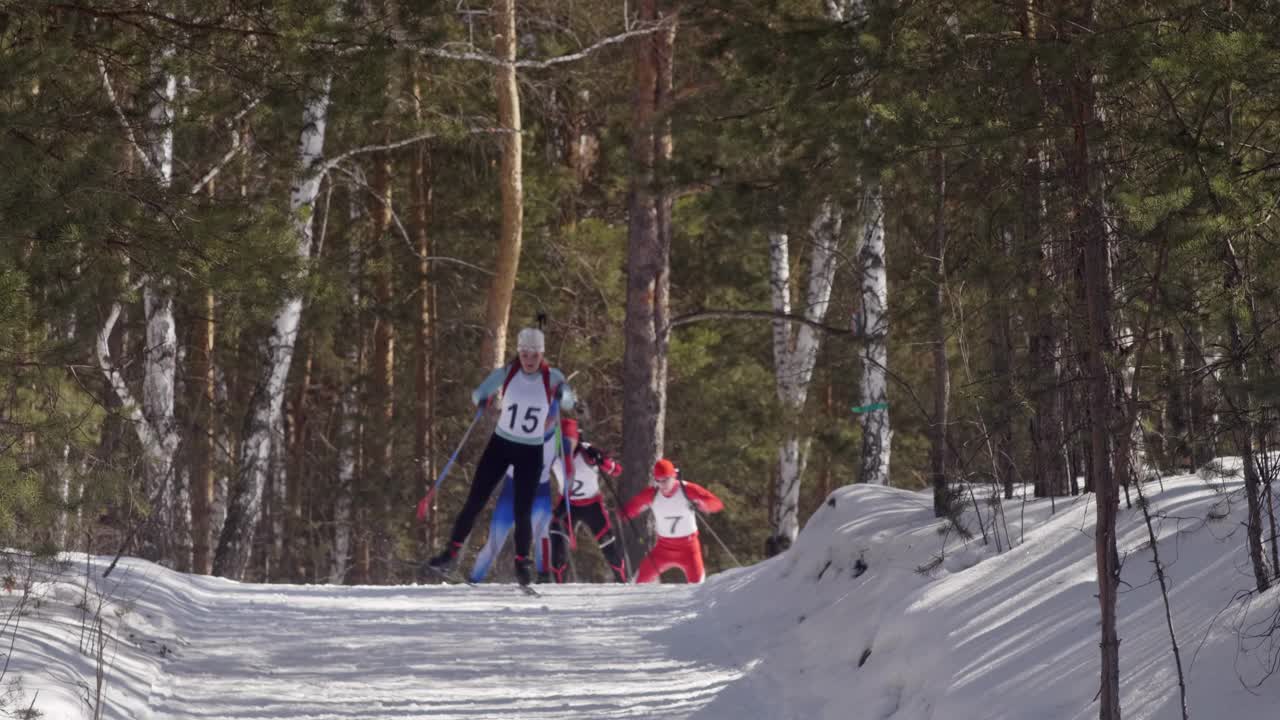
878,611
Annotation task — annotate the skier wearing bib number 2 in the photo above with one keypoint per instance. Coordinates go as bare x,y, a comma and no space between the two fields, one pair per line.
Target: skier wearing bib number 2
527,389
675,504
583,502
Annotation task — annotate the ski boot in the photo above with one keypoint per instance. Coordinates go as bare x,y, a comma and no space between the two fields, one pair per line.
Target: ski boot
443,564
524,571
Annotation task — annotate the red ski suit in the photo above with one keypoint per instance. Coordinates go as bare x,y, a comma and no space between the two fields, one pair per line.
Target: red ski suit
677,526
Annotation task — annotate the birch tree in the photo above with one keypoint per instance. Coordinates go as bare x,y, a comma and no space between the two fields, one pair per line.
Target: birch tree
164,536
795,353
871,320
245,496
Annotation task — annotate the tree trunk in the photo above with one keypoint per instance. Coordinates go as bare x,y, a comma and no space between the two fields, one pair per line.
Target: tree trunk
1200,409
1095,338
1243,425
1049,468
648,260
245,498
498,306
421,187
165,537
347,542
376,480
201,436
795,354
1173,420
1002,355
161,359
291,569
785,488
941,370
872,322
1246,424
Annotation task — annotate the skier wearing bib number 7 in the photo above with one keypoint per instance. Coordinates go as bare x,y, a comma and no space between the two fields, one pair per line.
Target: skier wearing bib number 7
527,389
675,504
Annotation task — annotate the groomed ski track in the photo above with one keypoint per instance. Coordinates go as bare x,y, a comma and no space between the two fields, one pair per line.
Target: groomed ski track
431,651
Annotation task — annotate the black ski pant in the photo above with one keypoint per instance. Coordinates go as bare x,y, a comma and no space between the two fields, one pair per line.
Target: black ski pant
526,464
594,516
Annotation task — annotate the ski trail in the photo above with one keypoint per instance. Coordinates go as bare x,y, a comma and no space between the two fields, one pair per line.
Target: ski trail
321,652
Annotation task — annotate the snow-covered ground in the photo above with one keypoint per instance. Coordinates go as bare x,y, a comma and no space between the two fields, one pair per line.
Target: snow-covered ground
878,611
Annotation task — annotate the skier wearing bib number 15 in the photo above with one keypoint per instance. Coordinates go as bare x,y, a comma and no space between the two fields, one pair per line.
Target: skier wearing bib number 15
675,504
527,389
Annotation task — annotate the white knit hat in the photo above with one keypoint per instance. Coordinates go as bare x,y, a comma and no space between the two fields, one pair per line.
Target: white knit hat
531,339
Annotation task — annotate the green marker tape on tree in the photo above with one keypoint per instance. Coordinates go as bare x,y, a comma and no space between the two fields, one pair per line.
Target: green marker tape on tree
872,407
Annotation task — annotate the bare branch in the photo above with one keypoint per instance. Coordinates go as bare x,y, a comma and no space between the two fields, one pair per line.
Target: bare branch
469,56
230,155
404,234
582,54
759,315
480,57
124,121
109,369
339,159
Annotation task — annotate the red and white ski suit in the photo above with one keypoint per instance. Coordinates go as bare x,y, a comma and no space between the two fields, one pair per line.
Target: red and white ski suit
677,525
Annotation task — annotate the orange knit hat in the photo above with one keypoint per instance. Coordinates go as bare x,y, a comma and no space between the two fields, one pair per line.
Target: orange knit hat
664,469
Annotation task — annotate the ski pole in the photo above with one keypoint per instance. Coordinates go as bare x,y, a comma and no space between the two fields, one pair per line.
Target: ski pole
617,511
564,463
706,521
426,499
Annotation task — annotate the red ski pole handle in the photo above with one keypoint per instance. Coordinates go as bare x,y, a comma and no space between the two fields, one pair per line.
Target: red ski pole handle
425,503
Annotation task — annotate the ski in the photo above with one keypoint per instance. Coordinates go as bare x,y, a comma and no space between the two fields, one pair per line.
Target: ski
426,570
452,579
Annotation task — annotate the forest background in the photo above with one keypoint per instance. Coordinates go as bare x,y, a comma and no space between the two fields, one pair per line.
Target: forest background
254,256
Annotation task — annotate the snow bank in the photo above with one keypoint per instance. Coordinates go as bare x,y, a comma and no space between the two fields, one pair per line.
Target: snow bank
882,611
878,612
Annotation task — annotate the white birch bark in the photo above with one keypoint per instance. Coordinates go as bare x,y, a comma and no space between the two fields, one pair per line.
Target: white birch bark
166,537
161,358
795,353
872,321
1138,458
61,530
157,455
245,497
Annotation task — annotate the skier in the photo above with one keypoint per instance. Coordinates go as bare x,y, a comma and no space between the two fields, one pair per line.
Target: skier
582,502
504,516
528,389
675,504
